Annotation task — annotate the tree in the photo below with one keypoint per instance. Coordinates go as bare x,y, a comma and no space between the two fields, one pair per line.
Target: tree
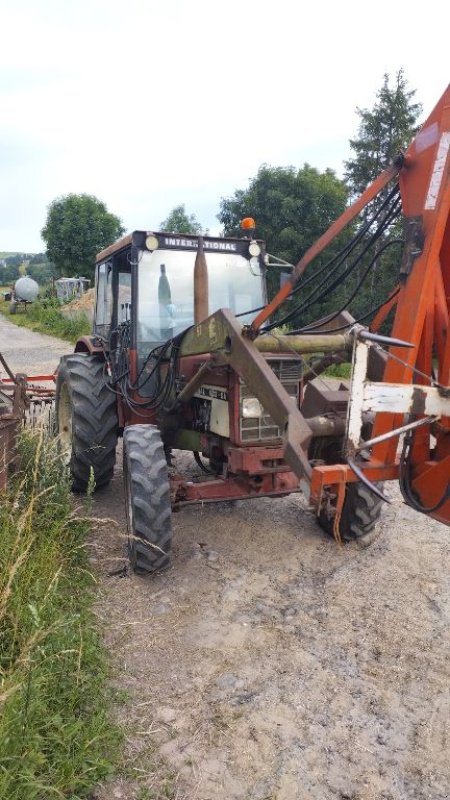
14,261
38,258
9,273
78,226
384,131
292,208
41,271
179,221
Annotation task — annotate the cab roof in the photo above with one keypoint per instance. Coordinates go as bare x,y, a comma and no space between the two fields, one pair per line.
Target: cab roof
181,241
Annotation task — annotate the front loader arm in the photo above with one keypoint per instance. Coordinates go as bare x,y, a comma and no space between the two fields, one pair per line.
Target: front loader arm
221,335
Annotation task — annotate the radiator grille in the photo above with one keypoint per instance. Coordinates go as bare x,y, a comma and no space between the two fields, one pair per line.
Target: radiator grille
261,429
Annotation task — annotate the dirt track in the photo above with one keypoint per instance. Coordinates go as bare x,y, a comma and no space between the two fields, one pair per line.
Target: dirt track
269,663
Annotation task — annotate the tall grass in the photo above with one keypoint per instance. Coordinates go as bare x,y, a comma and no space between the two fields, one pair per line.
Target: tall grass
56,739
45,316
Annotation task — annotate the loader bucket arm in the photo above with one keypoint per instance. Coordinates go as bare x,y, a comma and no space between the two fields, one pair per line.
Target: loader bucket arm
423,311
221,335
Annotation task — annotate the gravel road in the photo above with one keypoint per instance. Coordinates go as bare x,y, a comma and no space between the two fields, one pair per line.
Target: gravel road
269,663
26,351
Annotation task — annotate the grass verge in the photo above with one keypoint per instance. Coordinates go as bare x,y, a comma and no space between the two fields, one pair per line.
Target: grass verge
46,317
57,738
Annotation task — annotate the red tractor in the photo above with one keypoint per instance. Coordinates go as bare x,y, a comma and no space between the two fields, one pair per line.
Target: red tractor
183,356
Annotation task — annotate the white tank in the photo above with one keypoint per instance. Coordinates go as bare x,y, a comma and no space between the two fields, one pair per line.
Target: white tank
26,289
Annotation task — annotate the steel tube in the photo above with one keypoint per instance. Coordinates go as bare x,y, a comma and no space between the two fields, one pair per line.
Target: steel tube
323,343
326,426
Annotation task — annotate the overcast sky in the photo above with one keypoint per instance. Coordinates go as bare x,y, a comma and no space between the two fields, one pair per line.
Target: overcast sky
147,105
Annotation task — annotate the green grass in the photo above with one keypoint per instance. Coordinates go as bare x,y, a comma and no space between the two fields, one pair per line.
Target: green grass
45,317
57,739
339,371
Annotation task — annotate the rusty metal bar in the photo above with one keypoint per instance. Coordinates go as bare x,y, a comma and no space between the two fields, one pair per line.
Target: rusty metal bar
7,369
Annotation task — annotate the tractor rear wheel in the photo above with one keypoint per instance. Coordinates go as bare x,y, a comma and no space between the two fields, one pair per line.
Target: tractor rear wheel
86,420
359,518
147,492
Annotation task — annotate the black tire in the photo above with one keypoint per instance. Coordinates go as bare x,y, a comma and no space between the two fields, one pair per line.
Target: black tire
147,493
86,420
359,518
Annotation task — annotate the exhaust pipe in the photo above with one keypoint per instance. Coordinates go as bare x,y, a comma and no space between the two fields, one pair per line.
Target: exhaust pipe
201,305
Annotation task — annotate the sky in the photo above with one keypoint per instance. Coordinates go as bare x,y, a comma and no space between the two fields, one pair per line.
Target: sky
147,105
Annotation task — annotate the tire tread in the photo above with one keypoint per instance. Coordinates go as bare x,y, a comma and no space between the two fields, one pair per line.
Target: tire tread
94,419
148,492
360,516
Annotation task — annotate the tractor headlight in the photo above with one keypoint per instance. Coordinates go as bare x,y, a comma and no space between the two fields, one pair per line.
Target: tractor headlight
254,248
251,408
151,242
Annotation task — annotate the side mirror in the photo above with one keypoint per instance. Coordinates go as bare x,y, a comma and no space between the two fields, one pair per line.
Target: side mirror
284,277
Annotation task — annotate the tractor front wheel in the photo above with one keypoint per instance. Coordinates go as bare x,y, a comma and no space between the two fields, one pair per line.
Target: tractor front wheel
147,492
86,420
359,518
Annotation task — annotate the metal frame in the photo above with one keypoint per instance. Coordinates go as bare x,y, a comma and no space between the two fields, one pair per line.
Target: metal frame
17,394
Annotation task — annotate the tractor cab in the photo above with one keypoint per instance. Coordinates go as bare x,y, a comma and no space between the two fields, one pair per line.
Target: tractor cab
147,280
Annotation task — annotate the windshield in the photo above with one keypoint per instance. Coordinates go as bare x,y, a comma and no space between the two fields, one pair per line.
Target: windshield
166,291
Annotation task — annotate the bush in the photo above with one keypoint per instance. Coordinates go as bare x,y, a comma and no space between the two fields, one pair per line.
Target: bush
45,316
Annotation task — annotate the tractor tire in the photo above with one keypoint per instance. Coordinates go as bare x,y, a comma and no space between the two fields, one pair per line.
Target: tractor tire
86,420
359,518
13,308
147,493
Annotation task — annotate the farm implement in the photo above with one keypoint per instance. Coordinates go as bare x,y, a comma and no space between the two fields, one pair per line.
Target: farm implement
22,400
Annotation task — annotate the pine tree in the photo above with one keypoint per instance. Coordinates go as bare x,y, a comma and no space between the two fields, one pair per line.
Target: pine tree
384,131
